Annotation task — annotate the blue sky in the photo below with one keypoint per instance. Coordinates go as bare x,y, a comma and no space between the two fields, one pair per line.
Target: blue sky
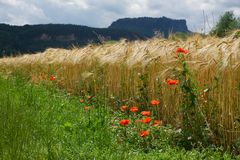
100,13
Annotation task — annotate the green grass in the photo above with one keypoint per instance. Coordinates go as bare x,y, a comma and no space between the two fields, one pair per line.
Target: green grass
42,122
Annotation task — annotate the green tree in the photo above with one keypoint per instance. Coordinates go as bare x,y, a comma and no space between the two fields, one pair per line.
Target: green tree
226,23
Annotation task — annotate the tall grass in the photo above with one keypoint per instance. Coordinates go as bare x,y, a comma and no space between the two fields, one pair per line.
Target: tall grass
113,70
42,122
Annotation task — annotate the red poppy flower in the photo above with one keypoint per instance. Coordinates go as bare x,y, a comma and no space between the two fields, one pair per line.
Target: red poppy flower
81,100
124,122
145,113
154,102
143,133
172,81
124,108
157,123
181,50
147,120
134,109
87,107
52,78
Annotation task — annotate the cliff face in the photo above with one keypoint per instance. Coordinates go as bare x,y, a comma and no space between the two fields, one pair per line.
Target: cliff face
148,27
33,38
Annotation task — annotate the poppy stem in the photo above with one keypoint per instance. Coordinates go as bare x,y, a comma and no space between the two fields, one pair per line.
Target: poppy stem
125,132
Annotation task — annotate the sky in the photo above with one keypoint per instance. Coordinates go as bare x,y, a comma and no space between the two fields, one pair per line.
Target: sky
101,13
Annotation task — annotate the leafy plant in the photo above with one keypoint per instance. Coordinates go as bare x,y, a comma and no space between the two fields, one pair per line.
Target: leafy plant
193,124
226,23
141,129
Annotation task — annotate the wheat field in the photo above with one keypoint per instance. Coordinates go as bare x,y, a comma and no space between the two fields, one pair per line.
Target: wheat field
113,70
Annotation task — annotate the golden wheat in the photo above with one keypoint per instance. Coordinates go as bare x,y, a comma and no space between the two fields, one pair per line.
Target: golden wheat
113,70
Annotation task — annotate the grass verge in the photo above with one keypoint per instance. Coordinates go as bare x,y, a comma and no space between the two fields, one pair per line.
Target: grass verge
42,122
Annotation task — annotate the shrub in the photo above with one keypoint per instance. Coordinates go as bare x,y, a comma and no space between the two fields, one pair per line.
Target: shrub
226,23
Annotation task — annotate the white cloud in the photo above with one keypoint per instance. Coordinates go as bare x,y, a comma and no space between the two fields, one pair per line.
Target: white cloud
20,12
100,13
81,4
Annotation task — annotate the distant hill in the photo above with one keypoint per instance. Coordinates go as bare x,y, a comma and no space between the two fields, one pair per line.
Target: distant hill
32,38
149,26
